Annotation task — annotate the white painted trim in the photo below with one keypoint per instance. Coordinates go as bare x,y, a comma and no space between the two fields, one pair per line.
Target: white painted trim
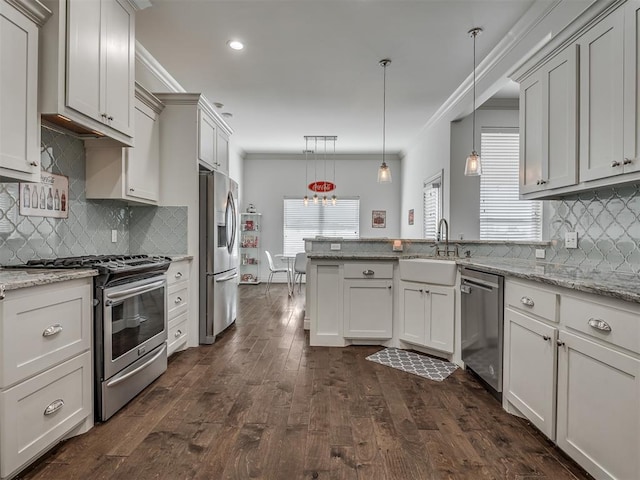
157,70
33,10
149,99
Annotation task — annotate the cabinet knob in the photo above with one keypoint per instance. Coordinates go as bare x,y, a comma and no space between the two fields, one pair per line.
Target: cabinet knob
389,287
110,118
132,190
177,300
368,272
560,343
615,163
627,161
178,274
177,334
527,301
103,115
546,338
599,324
542,182
33,164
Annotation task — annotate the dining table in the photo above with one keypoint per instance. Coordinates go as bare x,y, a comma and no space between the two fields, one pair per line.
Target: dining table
289,261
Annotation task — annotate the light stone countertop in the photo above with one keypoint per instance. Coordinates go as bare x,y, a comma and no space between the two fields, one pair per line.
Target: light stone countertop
621,285
178,257
13,278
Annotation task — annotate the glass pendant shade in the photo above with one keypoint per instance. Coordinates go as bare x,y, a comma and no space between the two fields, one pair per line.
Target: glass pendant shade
384,173
473,167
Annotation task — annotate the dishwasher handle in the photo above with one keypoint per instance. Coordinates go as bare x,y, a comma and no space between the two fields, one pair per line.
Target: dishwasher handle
465,286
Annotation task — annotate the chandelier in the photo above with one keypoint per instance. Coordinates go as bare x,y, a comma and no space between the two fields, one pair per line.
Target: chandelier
323,152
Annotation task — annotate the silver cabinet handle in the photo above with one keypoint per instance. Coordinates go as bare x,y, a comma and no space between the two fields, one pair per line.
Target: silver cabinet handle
627,161
52,330
177,300
368,272
103,115
178,333
560,343
132,190
541,182
599,324
527,301
109,118
178,274
465,289
54,406
33,164
546,338
615,163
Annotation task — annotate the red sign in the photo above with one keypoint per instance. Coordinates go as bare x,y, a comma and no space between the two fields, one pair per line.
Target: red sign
322,186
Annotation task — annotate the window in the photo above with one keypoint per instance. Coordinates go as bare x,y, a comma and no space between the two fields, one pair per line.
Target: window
340,220
431,205
503,216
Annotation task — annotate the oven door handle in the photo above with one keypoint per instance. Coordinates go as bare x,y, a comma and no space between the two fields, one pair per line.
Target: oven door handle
121,379
132,292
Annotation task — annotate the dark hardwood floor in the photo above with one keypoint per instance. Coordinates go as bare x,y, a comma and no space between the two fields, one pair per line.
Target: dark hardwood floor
261,403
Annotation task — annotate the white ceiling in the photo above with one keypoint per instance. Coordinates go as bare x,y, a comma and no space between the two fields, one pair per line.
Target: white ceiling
310,67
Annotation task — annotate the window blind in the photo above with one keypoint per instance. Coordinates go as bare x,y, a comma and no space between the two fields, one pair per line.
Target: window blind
431,208
340,220
503,216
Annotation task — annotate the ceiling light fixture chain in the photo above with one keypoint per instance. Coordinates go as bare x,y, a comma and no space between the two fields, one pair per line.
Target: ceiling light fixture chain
325,185
384,172
473,166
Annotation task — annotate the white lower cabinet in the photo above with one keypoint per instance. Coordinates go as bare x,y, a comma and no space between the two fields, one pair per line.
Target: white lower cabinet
427,315
599,408
45,369
530,369
178,306
368,308
577,380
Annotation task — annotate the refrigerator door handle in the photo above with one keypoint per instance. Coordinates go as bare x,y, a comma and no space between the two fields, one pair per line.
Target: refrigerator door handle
227,278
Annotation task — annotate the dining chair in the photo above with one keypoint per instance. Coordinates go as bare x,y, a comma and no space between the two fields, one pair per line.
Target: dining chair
299,268
273,269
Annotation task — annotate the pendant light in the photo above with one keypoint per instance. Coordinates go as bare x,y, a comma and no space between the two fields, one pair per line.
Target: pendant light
384,172
473,167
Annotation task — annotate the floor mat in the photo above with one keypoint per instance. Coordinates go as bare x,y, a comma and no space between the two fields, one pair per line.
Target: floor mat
410,362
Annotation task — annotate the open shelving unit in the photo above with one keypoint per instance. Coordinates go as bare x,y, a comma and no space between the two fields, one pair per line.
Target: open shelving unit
250,248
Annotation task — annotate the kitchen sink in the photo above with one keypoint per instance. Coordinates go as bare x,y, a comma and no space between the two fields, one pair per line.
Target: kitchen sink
428,270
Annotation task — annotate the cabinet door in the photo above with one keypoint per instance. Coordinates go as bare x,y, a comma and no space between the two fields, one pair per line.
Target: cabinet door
560,115
19,120
599,408
530,369
118,50
207,133
531,152
412,313
222,152
631,95
368,308
84,73
143,161
439,309
602,98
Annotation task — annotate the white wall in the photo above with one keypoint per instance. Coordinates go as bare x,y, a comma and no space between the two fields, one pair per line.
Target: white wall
267,178
464,212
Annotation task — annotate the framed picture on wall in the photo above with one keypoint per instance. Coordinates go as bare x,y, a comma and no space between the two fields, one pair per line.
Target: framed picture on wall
45,199
411,217
379,219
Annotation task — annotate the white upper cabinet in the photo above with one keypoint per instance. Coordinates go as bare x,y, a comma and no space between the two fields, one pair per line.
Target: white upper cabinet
87,68
548,113
631,158
602,98
19,121
206,141
222,151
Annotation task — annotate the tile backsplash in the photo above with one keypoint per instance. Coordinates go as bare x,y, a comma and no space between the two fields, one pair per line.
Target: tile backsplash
87,231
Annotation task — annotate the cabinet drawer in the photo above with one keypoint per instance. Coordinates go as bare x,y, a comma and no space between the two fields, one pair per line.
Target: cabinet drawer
43,326
614,324
38,412
373,270
178,298
527,298
178,271
177,336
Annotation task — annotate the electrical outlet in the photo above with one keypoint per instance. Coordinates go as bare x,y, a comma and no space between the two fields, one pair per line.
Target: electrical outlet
335,246
114,236
540,253
571,240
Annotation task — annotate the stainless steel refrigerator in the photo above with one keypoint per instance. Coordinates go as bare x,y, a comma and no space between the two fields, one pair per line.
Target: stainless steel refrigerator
218,254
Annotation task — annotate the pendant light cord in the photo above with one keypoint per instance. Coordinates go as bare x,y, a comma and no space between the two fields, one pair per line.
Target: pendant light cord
384,110
475,34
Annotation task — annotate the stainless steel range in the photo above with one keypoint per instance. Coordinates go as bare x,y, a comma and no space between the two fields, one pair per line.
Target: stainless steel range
130,323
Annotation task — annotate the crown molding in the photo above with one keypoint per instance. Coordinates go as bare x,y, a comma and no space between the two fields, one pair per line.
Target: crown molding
33,10
156,69
149,99
180,98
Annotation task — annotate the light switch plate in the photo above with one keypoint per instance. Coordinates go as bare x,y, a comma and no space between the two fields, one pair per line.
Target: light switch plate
571,240
540,253
114,236
335,246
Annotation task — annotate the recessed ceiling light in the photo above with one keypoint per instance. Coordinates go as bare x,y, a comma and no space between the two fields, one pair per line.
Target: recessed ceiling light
235,44
227,114
218,104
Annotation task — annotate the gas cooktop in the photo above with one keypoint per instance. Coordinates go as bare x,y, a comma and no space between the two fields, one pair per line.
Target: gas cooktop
103,263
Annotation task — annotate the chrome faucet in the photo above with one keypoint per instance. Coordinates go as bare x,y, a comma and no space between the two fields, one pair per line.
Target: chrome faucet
445,251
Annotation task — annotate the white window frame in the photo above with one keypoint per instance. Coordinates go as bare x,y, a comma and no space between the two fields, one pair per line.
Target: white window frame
429,221
292,239
503,216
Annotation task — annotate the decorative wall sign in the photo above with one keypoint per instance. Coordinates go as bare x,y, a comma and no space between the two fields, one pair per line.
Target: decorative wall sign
379,219
322,186
411,217
49,198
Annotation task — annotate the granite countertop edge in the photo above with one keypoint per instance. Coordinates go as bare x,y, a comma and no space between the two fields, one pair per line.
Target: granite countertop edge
620,285
14,279
178,257
409,241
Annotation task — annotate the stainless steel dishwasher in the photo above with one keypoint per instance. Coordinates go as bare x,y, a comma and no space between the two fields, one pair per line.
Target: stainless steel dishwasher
482,299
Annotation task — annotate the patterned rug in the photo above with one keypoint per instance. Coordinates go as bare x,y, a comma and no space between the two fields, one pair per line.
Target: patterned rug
410,362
